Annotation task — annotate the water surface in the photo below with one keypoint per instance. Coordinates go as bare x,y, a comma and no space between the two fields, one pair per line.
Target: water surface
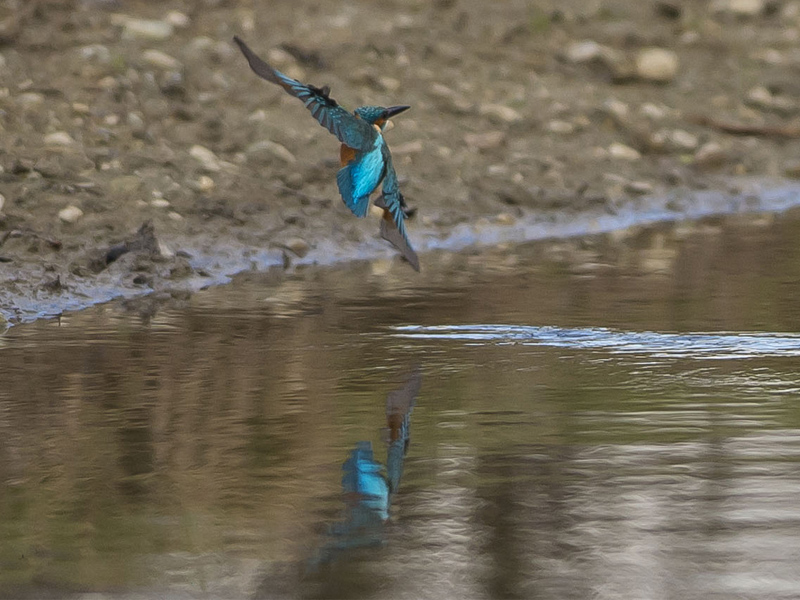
606,417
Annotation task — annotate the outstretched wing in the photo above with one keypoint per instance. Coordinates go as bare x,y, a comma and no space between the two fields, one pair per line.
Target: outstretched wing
393,228
351,131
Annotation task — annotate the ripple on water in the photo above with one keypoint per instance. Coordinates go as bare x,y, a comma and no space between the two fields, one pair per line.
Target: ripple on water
708,346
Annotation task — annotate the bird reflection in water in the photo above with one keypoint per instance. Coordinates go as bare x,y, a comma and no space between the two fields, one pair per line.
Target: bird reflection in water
367,485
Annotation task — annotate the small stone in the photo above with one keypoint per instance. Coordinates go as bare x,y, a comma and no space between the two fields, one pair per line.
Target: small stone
175,216
177,19
280,57
710,155
638,187
683,140
108,82
739,8
58,138
159,203
505,219
96,52
2,202
653,111
759,96
161,60
81,108
623,152
298,246
136,123
583,51
70,214
30,99
268,148
615,107
389,84
205,184
146,29
207,159
500,113
485,141
201,44
656,64
560,127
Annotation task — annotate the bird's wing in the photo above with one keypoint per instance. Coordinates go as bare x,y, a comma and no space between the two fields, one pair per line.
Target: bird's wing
350,130
393,228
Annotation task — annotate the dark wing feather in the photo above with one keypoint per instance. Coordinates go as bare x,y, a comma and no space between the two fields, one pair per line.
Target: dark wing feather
353,132
391,200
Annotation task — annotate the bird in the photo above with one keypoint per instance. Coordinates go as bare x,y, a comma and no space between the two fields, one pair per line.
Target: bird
366,161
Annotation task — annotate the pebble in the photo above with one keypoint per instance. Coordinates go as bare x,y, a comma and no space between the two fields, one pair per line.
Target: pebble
656,64
583,51
389,84
96,52
30,99
136,123
452,100
146,29
615,107
623,152
638,187
268,148
709,155
2,202
485,141
739,8
500,112
175,216
683,140
505,218
653,111
161,60
207,159
280,57
560,127
759,96
58,138
159,203
204,184
177,19
70,214
298,246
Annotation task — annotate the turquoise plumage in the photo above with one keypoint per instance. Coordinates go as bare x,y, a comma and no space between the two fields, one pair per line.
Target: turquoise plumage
365,156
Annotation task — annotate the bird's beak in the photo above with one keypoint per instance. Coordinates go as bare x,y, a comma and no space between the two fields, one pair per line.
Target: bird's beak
395,110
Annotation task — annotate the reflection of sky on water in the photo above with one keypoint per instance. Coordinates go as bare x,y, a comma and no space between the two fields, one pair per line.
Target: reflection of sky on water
661,345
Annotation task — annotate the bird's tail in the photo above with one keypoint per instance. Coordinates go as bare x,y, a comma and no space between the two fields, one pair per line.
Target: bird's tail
394,233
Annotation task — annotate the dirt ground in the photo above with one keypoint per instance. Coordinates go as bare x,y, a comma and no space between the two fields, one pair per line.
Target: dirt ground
126,116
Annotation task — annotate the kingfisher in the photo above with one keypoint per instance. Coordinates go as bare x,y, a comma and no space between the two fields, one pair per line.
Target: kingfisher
365,159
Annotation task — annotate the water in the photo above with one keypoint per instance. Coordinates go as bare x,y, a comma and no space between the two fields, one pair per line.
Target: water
609,417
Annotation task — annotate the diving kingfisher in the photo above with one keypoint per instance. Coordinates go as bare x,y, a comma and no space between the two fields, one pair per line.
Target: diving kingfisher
365,158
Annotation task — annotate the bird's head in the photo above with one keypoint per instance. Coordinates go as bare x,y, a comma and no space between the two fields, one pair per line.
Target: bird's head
378,115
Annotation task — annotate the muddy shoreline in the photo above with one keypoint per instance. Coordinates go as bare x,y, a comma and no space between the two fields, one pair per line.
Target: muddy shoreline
529,120
146,277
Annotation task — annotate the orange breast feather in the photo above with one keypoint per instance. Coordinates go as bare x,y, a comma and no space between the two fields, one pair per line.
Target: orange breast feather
346,154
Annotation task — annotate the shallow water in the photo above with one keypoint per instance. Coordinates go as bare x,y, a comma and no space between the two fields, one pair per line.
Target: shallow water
609,417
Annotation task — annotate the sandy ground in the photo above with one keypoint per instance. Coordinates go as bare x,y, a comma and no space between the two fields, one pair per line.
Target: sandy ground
139,152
